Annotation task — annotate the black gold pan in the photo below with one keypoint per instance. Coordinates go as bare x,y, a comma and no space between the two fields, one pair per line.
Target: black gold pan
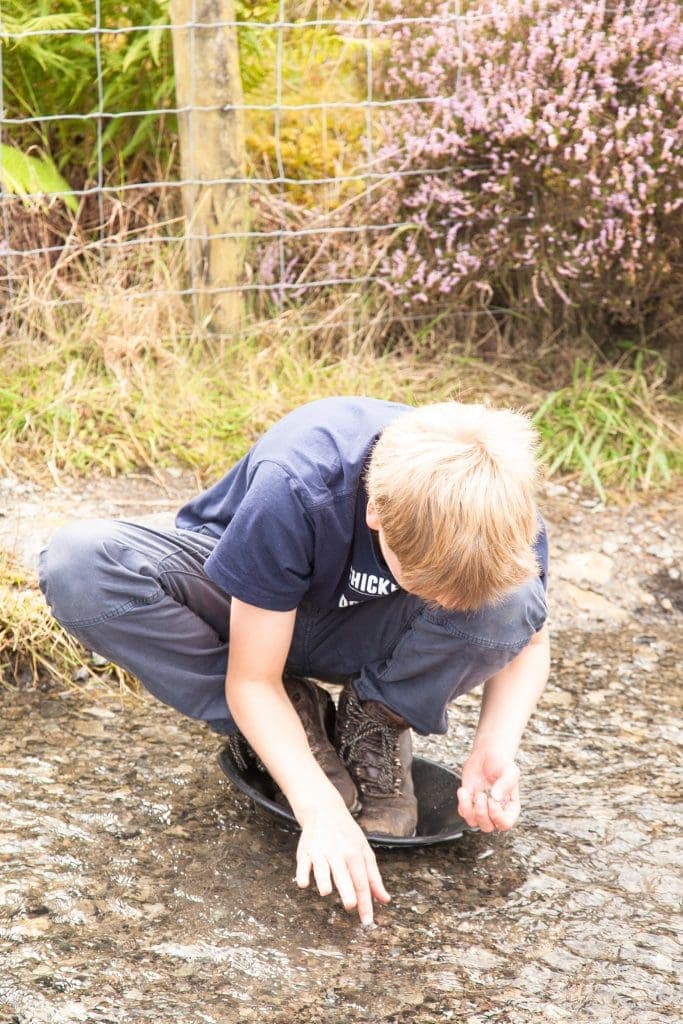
438,820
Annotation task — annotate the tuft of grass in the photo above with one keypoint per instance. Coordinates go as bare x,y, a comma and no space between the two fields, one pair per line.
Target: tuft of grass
77,413
35,651
117,382
614,428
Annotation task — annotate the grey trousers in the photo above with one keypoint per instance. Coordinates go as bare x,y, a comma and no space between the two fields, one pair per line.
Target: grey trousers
140,597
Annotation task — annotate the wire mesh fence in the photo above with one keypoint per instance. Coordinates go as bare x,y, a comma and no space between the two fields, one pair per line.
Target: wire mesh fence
312,81
247,154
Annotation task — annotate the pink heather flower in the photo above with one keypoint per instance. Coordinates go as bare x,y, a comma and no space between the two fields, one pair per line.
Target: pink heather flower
550,151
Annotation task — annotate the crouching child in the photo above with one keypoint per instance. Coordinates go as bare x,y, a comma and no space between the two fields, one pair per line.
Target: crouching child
395,551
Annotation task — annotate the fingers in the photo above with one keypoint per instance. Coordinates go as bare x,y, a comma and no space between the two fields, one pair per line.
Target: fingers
351,880
355,874
375,879
503,803
303,868
368,884
488,811
321,873
506,783
358,880
466,806
481,810
504,815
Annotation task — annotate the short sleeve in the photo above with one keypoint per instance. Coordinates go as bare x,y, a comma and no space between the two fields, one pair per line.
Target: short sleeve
265,555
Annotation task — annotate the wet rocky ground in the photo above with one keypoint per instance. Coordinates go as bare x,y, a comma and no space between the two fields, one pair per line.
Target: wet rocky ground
136,884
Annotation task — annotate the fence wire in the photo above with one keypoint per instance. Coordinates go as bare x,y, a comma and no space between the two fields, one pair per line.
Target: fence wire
35,225
322,205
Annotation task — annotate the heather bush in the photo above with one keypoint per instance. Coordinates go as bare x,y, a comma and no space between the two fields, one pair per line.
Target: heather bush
549,149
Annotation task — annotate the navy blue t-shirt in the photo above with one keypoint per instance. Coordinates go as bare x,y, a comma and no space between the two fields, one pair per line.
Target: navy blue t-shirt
290,515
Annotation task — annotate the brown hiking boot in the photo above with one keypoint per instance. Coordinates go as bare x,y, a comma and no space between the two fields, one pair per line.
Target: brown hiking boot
315,708
375,745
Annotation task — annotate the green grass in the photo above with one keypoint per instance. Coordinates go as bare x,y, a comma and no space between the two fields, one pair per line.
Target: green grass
117,382
194,407
613,428
115,385
120,386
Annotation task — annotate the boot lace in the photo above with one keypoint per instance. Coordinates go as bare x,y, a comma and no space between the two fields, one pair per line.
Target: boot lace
243,754
370,749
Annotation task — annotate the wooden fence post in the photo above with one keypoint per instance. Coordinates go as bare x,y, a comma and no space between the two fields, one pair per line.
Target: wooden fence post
207,75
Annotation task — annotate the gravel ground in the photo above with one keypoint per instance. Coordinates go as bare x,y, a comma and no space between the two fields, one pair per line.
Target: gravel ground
138,885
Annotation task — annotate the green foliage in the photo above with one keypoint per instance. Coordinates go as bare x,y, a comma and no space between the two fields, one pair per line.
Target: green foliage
57,74
24,174
612,428
257,46
320,65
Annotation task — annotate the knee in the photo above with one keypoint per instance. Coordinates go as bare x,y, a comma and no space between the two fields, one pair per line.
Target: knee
71,569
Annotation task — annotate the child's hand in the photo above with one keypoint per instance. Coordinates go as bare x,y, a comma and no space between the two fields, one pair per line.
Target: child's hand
489,795
335,848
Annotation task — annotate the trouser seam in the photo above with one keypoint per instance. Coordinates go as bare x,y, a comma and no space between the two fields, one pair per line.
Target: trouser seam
197,574
115,613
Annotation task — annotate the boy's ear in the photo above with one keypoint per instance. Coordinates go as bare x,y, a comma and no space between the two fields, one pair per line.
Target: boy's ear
371,517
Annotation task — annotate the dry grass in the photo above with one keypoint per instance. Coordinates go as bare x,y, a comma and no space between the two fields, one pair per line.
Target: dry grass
116,382
34,651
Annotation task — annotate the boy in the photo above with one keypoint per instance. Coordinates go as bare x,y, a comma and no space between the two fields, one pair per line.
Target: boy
397,551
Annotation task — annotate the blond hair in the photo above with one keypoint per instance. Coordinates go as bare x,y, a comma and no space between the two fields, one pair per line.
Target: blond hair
453,487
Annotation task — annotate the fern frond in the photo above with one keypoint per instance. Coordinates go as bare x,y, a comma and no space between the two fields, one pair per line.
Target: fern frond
32,177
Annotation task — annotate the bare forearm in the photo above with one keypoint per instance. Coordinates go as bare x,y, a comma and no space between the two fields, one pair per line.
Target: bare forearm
489,795
511,695
332,845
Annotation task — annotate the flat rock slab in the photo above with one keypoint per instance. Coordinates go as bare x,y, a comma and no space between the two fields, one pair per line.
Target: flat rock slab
585,567
593,606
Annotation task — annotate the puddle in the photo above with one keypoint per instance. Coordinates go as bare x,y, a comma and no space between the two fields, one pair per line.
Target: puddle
136,885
